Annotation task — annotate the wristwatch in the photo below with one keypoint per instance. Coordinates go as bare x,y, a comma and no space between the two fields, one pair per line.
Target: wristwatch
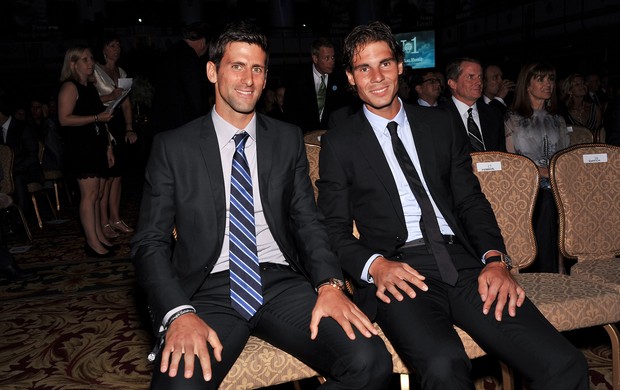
335,283
503,258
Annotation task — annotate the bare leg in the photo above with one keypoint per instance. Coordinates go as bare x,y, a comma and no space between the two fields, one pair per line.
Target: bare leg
89,212
115,199
103,184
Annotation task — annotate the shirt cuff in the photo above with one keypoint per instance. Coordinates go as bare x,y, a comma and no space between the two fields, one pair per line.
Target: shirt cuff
365,275
164,324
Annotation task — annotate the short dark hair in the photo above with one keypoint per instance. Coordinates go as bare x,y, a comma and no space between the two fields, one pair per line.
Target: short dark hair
454,69
317,44
105,39
364,34
418,75
195,31
237,32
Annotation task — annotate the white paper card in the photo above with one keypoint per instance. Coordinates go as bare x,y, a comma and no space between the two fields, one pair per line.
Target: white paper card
569,129
595,158
125,83
489,166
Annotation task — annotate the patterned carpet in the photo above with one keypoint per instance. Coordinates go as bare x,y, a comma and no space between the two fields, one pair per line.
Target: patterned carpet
81,323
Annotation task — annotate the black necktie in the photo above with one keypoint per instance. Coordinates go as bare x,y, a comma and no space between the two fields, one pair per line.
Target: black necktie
475,137
428,221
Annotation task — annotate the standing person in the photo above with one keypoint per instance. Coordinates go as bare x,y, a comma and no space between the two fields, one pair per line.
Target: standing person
482,124
107,73
180,83
88,148
430,253
317,91
192,292
535,130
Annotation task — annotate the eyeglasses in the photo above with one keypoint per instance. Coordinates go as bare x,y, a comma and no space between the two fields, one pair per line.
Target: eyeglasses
432,81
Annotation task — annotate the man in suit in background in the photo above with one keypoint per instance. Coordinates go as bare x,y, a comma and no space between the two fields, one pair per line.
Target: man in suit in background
235,185
313,96
496,88
483,125
427,86
181,88
430,252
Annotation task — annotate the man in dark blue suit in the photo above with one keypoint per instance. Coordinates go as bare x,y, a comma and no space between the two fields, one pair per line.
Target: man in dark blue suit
430,253
191,177
302,105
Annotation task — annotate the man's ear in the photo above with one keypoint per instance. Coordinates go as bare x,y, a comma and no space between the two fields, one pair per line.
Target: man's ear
451,84
401,68
350,78
211,72
315,59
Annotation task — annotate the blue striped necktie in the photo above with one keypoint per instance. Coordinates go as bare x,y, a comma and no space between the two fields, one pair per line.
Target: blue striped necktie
245,280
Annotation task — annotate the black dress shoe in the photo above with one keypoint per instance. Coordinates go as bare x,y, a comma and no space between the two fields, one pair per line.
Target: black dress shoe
13,272
113,247
90,252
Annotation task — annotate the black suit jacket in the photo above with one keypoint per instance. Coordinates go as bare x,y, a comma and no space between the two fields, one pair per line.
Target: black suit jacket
185,188
181,88
300,104
491,124
356,184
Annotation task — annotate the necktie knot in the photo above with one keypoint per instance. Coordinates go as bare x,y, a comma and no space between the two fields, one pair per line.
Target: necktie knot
240,139
469,111
392,128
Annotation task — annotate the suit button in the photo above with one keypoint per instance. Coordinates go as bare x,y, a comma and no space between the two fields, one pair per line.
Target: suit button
398,239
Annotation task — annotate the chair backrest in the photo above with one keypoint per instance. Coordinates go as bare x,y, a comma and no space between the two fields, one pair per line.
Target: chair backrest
6,165
580,135
585,180
312,151
510,183
314,137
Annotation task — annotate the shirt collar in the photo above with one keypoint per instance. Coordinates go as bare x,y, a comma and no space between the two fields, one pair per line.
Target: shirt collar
225,131
462,107
379,123
6,124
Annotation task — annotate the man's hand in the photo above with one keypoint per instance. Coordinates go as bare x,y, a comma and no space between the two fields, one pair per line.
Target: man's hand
395,277
187,337
333,303
505,87
495,283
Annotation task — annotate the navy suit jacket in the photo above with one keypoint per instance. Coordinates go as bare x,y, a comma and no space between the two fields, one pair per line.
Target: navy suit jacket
491,124
301,108
184,188
356,184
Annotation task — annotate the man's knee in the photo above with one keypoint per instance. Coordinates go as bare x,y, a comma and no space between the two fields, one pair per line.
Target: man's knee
365,367
446,371
566,371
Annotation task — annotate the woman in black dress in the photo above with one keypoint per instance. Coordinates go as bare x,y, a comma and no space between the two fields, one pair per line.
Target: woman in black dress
88,151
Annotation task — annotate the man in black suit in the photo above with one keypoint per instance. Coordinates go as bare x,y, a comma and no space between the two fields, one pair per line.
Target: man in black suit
191,292
496,88
301,101
429,253
465,82
181,87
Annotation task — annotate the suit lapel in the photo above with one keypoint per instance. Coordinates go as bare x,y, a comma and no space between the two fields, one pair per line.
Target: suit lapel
264,158
209,148
371,150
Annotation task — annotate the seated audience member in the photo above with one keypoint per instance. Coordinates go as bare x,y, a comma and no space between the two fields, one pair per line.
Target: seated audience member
278,108
254,260
612,115
598,95
496,88
45,126
430,253
427,86
23,141
317,90
477,120
578,109
535,130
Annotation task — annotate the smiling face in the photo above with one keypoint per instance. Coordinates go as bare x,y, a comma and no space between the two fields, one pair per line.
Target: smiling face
374,74
540,88
239,81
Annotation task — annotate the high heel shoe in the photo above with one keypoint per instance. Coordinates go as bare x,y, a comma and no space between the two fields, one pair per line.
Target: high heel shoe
121,227
109,232
113,247
90,252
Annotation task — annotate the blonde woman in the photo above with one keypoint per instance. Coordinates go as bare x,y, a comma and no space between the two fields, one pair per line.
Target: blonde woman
88,150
